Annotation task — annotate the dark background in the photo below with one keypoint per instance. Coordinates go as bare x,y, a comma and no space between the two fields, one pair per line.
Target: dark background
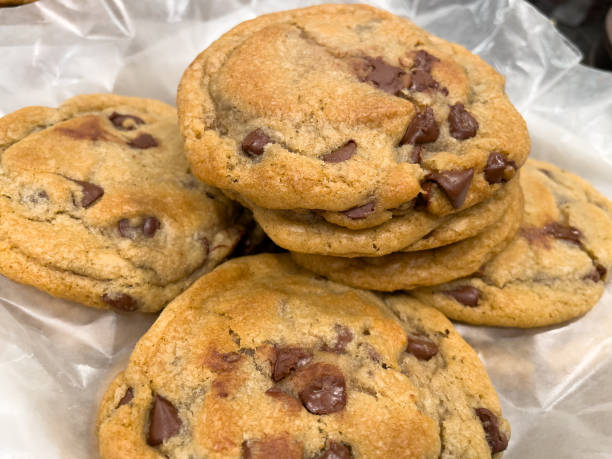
584,23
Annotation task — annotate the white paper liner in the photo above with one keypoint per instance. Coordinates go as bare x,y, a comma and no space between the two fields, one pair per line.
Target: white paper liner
57,357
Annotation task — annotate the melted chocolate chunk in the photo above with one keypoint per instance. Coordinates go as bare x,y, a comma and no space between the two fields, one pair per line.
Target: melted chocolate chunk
462,124
91,193
422,129
165,421
288,359
454,183
499,168
344,336
422,200
121,301
421,347
343,153
416,155
466,295
143,141
420,81
254,143
423,60
360,212
336,450
119,121
599,273
150,226
496,439
384,76
561,231
324,388
127,398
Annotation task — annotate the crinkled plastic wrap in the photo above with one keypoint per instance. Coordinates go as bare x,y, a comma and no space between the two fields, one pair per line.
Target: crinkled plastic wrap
57,357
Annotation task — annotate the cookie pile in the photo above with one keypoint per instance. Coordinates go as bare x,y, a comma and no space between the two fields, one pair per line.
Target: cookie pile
350,132
383,158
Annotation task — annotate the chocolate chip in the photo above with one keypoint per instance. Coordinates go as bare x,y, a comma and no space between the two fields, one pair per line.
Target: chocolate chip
336,450
454,183
143,141
343,153
360,212
288,359
420,81
324,388
254,143
597,274
165,421
150,226
422,129
416,155
384,76
423,60
127,398
462,124
496,439
421,347
499,168
343,337
561,231
422,199
121,301
466,295
91,192
119,121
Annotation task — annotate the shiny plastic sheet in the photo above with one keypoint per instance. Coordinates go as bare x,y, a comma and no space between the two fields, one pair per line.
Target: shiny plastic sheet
56,357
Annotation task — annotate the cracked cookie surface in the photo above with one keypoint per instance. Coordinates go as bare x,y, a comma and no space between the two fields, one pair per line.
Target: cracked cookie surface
350,111
97,204
408,270
555,268
260,359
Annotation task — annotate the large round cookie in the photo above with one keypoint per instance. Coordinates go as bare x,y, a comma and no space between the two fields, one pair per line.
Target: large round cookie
555,268
351,110
260,359
413,230
97,204
408,270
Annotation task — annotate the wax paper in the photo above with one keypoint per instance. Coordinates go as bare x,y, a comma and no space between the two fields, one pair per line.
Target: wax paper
56,357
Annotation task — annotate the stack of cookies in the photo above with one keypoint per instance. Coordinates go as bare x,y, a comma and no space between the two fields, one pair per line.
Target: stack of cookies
379,155
383,158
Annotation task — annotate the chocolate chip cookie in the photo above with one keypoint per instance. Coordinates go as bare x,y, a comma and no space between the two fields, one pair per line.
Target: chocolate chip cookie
97,204
408,270
260,359
555,268
410,230
349,111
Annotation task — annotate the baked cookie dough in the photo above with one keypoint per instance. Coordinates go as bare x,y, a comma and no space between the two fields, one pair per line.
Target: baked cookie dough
413,230
555,268
408,270
97,204
260,359
350,111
